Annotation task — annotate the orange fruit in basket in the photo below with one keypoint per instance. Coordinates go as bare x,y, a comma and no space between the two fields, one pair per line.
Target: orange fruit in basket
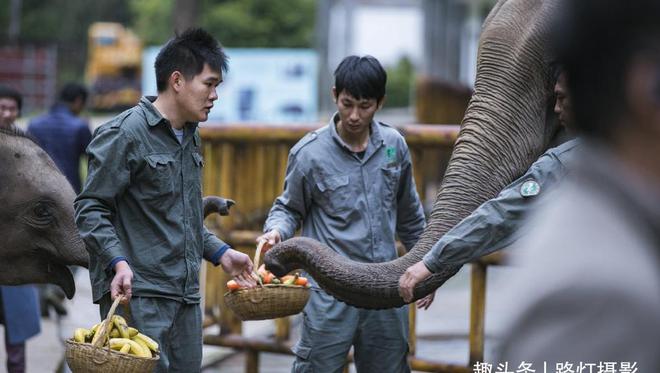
266,276
232,285
302,281
288,280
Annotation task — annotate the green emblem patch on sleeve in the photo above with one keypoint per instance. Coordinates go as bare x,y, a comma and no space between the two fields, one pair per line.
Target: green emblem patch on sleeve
530,188
390,154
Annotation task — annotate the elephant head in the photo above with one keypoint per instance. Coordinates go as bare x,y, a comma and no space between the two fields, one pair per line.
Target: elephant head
504,130
39,236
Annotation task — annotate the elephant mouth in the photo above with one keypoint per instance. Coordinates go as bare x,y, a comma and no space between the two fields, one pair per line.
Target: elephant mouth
62,276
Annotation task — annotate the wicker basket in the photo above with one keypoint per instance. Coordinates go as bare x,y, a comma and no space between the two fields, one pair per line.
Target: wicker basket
268,301
88,358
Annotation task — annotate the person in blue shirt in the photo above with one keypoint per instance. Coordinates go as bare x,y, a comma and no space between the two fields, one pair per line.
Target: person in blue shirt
63,134
496,223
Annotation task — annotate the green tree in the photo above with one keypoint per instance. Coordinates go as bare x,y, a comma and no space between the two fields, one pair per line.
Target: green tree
152,20
261,23
400,80
62,21
236,23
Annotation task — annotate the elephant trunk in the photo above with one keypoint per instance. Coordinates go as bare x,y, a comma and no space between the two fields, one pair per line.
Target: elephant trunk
77,254
504,130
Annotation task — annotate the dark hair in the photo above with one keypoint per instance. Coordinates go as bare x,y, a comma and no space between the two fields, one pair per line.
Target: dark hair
71,91
596,44
556,69
361,77
188,53
9,92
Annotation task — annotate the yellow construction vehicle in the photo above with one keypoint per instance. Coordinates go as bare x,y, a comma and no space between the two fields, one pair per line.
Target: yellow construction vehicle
114,66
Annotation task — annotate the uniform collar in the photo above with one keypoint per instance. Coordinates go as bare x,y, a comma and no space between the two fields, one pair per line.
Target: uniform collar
375,137
153,116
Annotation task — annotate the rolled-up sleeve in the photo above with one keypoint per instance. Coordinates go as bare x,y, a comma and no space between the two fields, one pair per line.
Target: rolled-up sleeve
410,214
290,208
108,176
496,223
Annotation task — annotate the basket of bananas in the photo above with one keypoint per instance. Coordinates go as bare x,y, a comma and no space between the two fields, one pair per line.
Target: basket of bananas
272,298
111,346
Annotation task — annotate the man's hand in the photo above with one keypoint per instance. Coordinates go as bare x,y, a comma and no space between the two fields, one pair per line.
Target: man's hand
122,282
425,303
411,277
272,238
239,266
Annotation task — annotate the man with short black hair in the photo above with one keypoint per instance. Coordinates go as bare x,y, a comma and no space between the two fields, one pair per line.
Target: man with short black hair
350,186
63,134
140,211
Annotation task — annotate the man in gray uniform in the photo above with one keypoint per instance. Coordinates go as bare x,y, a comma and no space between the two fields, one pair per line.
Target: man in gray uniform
350,184
140,211
496,223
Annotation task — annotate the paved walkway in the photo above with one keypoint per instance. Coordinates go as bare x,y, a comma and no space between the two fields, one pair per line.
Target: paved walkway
441,330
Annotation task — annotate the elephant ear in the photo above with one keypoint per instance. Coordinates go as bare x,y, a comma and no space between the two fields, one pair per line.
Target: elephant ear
504,130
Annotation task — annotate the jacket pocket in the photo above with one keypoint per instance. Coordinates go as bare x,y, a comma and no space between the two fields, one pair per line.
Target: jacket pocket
335,193
302,363
159,175
390,186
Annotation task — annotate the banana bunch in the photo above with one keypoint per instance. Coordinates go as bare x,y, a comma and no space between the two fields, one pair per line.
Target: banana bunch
119,337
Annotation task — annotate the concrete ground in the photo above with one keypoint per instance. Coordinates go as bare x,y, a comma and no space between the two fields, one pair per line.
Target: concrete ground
441,331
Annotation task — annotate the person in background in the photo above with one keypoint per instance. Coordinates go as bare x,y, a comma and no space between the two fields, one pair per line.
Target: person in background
11,103
19,309
63,134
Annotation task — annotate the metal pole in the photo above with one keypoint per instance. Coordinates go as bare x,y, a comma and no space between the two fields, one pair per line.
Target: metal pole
324,73
14,30
184,14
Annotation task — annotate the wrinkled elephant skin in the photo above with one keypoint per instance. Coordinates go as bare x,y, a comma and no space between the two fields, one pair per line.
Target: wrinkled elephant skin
39,236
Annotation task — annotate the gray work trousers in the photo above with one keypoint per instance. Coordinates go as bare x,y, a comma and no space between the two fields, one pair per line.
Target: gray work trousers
330,327
176,326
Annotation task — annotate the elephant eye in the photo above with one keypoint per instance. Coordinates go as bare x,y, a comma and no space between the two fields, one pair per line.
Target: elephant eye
41,213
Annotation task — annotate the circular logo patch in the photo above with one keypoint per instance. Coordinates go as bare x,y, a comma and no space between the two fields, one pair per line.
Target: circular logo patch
530,188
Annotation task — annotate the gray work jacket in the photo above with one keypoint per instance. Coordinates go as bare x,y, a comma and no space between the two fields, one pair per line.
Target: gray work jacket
353,205
496,223
143,200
